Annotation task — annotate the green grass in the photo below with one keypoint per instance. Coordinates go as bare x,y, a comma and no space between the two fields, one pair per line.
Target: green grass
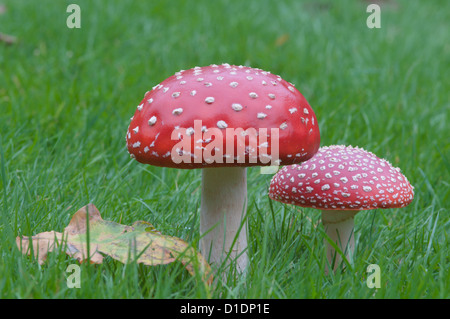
66,96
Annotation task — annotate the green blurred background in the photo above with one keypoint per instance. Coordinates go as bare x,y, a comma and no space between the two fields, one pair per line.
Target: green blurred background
66,96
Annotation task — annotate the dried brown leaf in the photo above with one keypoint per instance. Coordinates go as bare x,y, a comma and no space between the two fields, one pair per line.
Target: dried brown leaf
140,242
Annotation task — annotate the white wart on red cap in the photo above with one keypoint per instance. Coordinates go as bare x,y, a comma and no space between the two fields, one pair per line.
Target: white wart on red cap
222,96
342,178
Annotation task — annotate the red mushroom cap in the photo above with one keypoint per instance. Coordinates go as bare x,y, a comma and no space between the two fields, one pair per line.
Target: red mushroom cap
342,178
221,97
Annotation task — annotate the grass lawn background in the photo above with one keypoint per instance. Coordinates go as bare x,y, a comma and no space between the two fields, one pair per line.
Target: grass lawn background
66,97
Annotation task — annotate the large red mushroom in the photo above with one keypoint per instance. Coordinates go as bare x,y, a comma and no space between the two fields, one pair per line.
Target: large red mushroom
222,119
341,181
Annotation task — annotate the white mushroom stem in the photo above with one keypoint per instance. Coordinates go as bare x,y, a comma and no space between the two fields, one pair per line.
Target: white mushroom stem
222,225
339,227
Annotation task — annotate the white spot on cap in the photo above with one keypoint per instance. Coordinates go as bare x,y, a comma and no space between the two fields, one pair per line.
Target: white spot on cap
140,106
253,95
175,94
283,126
150,100
261,115
271,96
177,111
136,145
152,121
268,107
236,106
234,84
222,124
325,187
209,100
189,131
292,110
136,129
193,92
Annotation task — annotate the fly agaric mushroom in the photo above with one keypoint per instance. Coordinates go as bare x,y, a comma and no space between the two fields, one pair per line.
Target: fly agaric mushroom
218,118
341,181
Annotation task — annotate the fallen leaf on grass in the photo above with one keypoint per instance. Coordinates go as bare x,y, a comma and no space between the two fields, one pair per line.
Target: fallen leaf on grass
140,242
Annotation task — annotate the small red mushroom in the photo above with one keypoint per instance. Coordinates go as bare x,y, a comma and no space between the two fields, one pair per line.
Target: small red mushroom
223,118
341,181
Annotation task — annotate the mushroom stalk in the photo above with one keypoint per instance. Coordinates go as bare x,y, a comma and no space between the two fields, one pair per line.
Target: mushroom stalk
339,227
223,207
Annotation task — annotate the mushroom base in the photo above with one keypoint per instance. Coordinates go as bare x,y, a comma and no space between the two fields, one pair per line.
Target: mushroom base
339,227
223,226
